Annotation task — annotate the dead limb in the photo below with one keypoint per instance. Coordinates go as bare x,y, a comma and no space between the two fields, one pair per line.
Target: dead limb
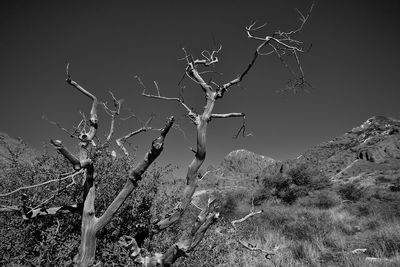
251,214
120,141
228,115
86,137
135,175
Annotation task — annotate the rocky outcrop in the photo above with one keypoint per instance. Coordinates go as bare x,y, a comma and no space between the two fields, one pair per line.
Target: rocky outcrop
245,162
239,170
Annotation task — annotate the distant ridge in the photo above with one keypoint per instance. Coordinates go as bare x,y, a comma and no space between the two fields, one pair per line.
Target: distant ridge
8,143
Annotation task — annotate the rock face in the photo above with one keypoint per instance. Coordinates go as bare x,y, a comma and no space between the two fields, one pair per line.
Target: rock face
245,162
240,169
370,150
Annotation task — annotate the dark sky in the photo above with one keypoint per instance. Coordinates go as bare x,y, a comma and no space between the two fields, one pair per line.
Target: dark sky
354,67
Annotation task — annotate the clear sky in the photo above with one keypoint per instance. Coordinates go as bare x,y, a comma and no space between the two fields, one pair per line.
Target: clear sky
354,67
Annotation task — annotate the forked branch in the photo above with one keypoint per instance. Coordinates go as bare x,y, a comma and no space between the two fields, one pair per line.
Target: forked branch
112,113
135,175
76,163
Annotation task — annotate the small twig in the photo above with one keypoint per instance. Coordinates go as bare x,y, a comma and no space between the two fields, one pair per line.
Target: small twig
207,172
73,134
242,130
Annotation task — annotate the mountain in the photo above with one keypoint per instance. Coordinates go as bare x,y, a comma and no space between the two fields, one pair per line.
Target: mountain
368,152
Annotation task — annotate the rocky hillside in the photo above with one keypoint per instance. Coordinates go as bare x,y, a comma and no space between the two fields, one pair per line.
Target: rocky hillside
370,151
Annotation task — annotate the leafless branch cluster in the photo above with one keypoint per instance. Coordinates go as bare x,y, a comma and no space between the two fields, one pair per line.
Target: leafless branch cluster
285,43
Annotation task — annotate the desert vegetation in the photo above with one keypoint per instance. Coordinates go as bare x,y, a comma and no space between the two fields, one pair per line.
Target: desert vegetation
101,204
321,224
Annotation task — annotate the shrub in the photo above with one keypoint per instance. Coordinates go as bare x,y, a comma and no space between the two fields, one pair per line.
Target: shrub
231,202
351,191
298,182
323,199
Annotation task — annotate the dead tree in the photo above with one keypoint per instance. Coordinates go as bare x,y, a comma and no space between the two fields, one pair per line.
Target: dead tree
280,43
83,164
90,223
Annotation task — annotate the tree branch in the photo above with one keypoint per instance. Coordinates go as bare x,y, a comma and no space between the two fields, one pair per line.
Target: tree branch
93,112
251,214
225,87
73,134
192,73
112,113
120,141
191,114
286,44
42,184
228,115
67,154
135,175
51,211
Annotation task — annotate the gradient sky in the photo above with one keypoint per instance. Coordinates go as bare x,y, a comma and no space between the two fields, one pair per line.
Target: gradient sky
354,67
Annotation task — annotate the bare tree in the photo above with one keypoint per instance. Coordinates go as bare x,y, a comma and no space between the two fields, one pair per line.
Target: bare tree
280,43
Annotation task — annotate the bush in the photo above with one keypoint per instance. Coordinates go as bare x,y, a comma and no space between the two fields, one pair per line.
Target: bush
231,202
323,199
351,191
298,182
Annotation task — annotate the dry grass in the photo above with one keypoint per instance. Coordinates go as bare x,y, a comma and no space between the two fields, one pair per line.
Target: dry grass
320,229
